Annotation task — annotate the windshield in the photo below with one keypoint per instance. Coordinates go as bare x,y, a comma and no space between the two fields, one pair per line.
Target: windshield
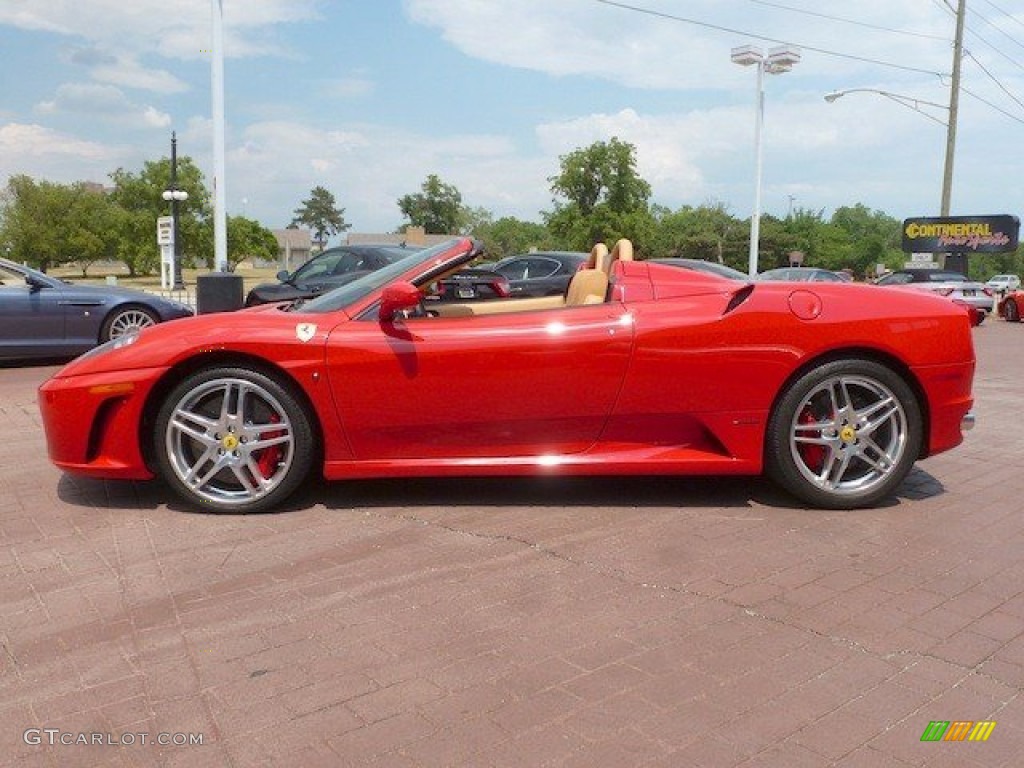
373,281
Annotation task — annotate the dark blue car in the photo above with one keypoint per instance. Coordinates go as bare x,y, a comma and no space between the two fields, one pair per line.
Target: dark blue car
43,317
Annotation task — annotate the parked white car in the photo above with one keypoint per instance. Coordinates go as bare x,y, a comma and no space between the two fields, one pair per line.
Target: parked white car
944,282
1004,283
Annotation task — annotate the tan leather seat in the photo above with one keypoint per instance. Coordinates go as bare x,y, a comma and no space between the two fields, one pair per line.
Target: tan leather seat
588,286
622,251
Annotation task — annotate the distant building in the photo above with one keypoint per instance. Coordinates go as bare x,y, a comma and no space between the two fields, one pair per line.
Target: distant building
411,236
294,247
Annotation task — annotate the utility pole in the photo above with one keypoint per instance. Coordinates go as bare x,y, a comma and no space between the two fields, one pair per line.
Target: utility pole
954,106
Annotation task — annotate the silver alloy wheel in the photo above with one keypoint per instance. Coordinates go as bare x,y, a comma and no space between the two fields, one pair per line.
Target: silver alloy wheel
848,434
129,320
230,441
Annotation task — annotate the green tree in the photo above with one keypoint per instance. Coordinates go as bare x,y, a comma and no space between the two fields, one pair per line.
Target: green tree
508,236
475,221
874,238
598,195
320,212
35,219
93,227
248,239
706,232
140,195
437,207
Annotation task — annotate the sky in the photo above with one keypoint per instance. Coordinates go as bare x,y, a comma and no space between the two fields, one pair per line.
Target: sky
369,97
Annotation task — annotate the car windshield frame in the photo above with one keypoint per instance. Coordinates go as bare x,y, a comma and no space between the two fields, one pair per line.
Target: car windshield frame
359,289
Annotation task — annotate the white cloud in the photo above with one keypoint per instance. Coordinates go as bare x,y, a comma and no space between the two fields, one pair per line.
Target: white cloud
127,72
45,153
174,28
661,50
102,103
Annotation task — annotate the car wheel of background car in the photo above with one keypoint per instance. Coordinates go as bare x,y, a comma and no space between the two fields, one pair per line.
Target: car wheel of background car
233,440
1011,311
844,435
126,319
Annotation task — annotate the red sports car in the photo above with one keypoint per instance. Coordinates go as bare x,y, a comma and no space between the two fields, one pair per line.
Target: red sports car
640,369
1012,306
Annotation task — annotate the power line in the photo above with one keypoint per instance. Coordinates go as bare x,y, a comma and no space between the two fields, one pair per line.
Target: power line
765,38
1010,16
1000,52
993,106
850,21
993,78
1002,32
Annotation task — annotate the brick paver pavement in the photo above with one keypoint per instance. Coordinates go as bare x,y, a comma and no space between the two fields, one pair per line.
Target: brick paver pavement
517,623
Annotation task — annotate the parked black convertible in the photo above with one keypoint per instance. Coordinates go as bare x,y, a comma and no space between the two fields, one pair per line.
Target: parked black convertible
326,271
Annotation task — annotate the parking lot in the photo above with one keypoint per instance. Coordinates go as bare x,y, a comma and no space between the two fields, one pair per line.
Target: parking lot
593,622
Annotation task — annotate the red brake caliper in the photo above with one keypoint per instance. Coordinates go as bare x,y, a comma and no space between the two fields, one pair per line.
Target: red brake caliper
813,455
270,457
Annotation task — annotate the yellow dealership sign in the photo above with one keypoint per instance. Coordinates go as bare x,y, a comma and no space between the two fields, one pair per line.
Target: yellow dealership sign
961,234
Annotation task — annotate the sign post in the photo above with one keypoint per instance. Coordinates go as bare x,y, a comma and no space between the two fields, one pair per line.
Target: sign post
165,239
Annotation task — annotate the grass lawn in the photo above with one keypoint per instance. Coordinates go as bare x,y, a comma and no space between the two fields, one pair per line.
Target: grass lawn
98,274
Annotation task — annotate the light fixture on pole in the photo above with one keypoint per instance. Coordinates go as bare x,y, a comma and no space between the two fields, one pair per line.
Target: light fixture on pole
909,102
174,195
952,108
778,60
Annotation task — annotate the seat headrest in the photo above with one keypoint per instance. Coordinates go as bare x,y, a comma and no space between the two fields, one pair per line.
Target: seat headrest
623,251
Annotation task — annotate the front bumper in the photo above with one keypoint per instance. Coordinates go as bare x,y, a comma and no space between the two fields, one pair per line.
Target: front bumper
92,423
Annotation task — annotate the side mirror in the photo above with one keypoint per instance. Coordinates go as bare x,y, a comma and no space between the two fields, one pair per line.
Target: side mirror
33,284
396,297
283,275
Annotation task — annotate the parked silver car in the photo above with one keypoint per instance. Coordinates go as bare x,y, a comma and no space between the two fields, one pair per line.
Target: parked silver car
1004,283
944,282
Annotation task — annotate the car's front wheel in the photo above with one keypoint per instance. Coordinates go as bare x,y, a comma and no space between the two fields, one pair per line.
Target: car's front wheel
127,320
233,440
1011,311
844,435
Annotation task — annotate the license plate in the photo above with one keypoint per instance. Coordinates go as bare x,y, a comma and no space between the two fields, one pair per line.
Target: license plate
969,292
466,293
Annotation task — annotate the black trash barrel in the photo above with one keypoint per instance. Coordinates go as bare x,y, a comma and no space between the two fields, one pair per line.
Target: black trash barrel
218,292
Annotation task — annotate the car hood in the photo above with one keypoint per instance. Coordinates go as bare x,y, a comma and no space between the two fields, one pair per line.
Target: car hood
265,331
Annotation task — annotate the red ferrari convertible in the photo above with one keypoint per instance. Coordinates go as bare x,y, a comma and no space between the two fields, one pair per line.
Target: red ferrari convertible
640,369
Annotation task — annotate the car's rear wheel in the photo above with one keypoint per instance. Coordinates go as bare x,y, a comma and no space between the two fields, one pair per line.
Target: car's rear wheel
1011,311
126,320
844,435
233,440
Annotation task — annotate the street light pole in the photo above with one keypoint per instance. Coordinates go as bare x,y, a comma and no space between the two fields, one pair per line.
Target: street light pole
780,59
175,196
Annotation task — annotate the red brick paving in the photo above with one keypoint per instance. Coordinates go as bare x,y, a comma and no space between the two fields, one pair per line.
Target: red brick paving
492,623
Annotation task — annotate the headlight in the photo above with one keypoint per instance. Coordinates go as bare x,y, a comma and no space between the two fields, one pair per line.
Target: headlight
126,340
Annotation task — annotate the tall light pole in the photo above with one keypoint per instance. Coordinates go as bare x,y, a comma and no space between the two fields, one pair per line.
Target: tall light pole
220,231
780,59
173,195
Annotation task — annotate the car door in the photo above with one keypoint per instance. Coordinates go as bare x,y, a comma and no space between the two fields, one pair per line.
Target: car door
31,318
522,384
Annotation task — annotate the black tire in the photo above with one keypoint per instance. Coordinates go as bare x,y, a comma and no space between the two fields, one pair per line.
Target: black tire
1011,311
844,435
125,319
233,440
